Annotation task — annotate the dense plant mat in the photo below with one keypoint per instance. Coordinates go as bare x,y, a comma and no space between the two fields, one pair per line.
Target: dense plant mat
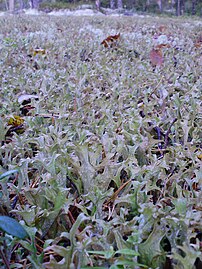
100,142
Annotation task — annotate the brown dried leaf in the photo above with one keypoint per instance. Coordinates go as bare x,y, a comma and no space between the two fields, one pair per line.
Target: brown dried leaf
198,42
38,51
110,40
162,28
160,46
156,57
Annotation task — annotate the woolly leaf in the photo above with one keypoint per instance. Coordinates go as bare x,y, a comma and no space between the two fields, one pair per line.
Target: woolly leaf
12,227
8,173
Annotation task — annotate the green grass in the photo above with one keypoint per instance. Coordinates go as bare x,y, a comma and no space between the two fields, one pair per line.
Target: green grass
109,158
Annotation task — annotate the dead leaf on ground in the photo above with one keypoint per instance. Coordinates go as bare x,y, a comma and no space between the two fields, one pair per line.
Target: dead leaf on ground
15,120
156,57
110,41
17,125
38,51
162,28
160,46
199,157
198,42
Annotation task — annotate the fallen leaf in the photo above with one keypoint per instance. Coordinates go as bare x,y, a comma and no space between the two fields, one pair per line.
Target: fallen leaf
162,28
160,46
200,157
17,125
15,121
38,51
110,40
198,42
156,57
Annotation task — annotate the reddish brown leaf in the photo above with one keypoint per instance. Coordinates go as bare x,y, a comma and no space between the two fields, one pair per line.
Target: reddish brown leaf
104,43
198,42
162,28
110,40
156,57
160,46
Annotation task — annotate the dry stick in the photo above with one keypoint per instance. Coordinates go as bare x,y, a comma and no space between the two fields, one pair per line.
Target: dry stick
168,132
115,194
4,259
25,264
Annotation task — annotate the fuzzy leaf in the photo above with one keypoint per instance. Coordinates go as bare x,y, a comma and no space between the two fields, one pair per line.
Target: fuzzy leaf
8,173
189,257
75,227
150,250
107,254
126,251
12,227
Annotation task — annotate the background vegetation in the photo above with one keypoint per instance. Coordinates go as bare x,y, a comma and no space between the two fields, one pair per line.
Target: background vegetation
100,158
177,7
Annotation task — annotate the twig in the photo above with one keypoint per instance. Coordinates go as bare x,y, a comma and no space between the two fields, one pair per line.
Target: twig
25,264
116,193
4,259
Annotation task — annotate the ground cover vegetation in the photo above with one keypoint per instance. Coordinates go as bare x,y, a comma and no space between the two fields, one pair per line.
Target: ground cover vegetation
100,158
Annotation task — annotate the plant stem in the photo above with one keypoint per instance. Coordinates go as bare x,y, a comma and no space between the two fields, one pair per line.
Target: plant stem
4,259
